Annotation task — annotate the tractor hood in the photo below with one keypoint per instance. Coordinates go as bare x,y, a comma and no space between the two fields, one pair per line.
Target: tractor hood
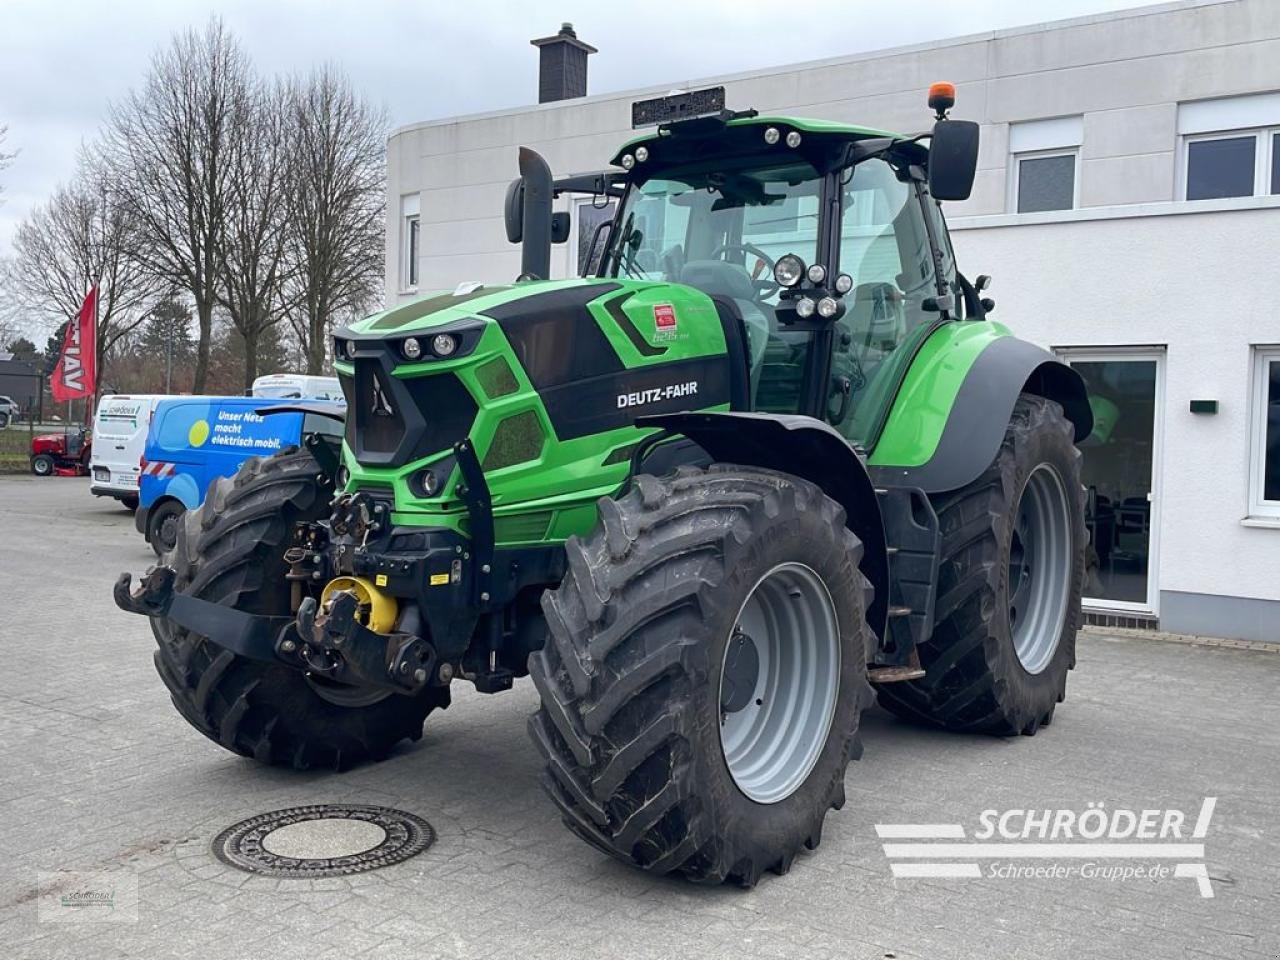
441,307
580,357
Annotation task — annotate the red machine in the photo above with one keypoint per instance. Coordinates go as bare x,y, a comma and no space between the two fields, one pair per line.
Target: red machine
63,454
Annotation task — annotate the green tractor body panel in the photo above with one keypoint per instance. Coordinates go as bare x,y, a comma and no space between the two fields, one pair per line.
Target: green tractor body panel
924,401
641,345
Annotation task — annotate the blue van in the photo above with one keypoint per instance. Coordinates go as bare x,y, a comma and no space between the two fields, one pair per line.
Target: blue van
194,440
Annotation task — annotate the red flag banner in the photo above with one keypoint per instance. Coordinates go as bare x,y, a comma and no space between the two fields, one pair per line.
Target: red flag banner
75,373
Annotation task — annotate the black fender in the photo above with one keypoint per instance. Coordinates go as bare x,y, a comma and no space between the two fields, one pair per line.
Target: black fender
979,416
807,448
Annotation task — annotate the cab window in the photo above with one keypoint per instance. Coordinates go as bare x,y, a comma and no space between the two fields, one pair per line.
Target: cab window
884,247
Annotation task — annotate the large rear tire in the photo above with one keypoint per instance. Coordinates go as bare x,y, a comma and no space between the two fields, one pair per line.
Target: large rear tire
1009,585
705,673
231,551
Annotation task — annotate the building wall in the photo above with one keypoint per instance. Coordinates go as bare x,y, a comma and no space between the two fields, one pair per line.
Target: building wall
1180,281
1132,265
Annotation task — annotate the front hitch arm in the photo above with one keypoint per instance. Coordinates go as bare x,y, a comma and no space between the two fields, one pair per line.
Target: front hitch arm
246,634
332,643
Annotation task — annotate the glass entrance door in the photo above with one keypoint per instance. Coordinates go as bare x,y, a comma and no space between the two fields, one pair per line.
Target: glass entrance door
1119,469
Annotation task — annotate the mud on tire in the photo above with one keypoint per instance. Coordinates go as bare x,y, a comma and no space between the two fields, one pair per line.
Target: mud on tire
230,551
974,680
629,678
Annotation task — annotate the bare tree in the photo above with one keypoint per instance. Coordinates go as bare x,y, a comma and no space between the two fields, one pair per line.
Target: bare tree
168,142
337,154
252,267
78,238
5,158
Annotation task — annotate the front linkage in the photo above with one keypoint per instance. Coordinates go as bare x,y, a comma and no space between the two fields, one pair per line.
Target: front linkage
451,583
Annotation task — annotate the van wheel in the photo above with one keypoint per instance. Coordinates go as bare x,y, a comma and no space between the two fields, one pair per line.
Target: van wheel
162,526
129,503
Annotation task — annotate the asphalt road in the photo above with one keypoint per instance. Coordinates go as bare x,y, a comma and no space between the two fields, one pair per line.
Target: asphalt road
100,775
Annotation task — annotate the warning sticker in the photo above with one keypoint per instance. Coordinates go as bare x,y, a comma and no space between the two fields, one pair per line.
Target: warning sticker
664,316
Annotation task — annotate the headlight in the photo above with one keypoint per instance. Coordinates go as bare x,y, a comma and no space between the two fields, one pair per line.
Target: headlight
642,154
628,161
844,283
351,349
771,135
788,270
343,478
429,482
804,308
827,308
444,344
817,273
411,348
793,139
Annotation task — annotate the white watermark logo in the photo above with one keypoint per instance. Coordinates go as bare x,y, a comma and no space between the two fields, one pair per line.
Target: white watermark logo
1093,844
88,897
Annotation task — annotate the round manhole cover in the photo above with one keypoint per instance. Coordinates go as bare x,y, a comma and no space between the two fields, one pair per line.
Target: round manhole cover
322,840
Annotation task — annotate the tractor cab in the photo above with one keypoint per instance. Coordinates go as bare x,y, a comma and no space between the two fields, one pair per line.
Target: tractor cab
821,244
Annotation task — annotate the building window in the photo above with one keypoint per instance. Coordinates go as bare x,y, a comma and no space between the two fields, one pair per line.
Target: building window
1046,182
1044,161
1222,166
410,240
1264,480
1230,148
1275,163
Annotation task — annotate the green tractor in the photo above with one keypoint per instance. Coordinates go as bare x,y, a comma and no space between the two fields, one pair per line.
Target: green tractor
770,462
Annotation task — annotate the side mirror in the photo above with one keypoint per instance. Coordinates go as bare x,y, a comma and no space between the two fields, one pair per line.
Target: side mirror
953,159
513,210
559,227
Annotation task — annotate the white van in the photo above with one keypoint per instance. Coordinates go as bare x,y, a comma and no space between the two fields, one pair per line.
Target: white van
296,385
119,435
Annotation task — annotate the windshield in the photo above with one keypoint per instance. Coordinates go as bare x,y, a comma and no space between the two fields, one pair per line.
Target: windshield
281,392
719,230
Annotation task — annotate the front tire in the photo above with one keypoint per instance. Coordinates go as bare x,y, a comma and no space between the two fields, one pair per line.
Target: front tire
42,465
231,551
1009,584
663,748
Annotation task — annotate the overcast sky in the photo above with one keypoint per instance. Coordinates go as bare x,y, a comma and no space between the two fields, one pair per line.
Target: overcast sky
63,61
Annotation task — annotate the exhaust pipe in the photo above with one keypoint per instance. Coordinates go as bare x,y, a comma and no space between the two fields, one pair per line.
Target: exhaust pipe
535,245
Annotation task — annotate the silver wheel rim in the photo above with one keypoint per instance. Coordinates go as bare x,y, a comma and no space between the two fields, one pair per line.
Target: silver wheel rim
774,719
1040,568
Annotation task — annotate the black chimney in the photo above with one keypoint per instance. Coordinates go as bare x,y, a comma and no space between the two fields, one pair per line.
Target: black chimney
562,65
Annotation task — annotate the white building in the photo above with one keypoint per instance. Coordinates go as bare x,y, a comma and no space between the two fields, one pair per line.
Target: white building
1128,206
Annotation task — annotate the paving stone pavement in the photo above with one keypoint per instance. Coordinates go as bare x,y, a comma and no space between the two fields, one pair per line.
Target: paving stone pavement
98,772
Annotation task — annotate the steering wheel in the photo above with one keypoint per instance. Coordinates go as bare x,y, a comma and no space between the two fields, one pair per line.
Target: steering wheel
764,288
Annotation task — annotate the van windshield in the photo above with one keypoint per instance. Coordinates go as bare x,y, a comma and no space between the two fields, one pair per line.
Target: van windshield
282,392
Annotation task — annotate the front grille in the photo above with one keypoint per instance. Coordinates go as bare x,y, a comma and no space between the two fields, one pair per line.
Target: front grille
393,421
